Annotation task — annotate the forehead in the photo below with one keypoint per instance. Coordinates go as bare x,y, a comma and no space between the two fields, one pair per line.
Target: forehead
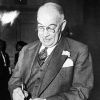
47,16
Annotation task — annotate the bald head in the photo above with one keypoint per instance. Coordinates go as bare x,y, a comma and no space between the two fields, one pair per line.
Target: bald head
51,23
50,10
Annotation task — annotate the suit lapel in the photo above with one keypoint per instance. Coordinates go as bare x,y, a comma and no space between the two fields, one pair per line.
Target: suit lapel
55,64
31,57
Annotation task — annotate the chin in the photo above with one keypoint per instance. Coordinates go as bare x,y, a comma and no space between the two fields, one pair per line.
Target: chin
46,43
49,45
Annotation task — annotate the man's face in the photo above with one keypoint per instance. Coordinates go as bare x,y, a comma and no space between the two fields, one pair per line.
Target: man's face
48,28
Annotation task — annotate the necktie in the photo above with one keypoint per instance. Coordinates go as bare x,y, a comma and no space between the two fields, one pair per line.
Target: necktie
42,56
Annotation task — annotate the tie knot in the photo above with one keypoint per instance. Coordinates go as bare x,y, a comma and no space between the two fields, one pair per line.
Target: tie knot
43,53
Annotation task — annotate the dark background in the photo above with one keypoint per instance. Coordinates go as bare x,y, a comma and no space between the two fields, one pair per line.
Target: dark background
83,22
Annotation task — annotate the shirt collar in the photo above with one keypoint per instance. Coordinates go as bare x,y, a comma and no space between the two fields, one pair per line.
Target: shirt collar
49,50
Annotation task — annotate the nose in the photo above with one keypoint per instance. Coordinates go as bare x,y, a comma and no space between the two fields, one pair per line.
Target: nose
46,33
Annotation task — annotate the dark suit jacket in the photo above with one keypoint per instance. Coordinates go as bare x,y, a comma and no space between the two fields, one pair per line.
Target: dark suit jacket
4,69
59,83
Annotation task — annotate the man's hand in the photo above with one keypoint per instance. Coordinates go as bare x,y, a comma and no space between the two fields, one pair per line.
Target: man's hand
18,94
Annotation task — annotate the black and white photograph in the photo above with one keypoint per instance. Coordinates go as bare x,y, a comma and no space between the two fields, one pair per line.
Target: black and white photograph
49,49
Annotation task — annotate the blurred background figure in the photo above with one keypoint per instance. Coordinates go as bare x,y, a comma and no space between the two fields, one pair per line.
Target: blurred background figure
19,46
4,71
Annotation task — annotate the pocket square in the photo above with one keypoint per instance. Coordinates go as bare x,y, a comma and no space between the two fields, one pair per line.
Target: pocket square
68,63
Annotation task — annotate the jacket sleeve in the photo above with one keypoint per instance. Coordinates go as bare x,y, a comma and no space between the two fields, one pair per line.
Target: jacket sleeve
16,78
82,79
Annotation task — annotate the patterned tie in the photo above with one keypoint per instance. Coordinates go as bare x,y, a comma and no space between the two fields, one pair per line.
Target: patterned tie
42,56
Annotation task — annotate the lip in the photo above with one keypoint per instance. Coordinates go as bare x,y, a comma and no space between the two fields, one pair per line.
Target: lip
47,39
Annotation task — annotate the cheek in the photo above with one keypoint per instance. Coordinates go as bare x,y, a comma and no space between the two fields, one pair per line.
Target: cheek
40,35
55,37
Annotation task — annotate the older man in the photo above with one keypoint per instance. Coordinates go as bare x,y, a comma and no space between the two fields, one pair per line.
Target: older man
55,67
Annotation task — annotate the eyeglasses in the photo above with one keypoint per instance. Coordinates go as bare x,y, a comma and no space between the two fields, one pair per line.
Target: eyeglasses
50,28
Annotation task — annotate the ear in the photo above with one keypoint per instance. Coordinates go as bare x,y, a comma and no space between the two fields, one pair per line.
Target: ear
63,25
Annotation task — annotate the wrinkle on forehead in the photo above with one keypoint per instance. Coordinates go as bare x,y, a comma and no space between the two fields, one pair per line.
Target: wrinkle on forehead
47,17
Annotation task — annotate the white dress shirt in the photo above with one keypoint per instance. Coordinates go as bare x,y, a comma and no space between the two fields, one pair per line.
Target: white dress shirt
49,50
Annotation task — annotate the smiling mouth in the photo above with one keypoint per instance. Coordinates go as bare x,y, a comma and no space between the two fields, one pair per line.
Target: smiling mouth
47,39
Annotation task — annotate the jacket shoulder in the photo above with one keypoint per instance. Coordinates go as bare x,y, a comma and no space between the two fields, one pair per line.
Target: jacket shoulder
76,45
31,45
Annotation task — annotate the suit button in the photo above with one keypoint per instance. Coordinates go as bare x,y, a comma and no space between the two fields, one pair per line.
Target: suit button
38,79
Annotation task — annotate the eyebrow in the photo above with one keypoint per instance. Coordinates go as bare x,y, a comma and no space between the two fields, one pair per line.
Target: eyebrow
52,24
49,25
